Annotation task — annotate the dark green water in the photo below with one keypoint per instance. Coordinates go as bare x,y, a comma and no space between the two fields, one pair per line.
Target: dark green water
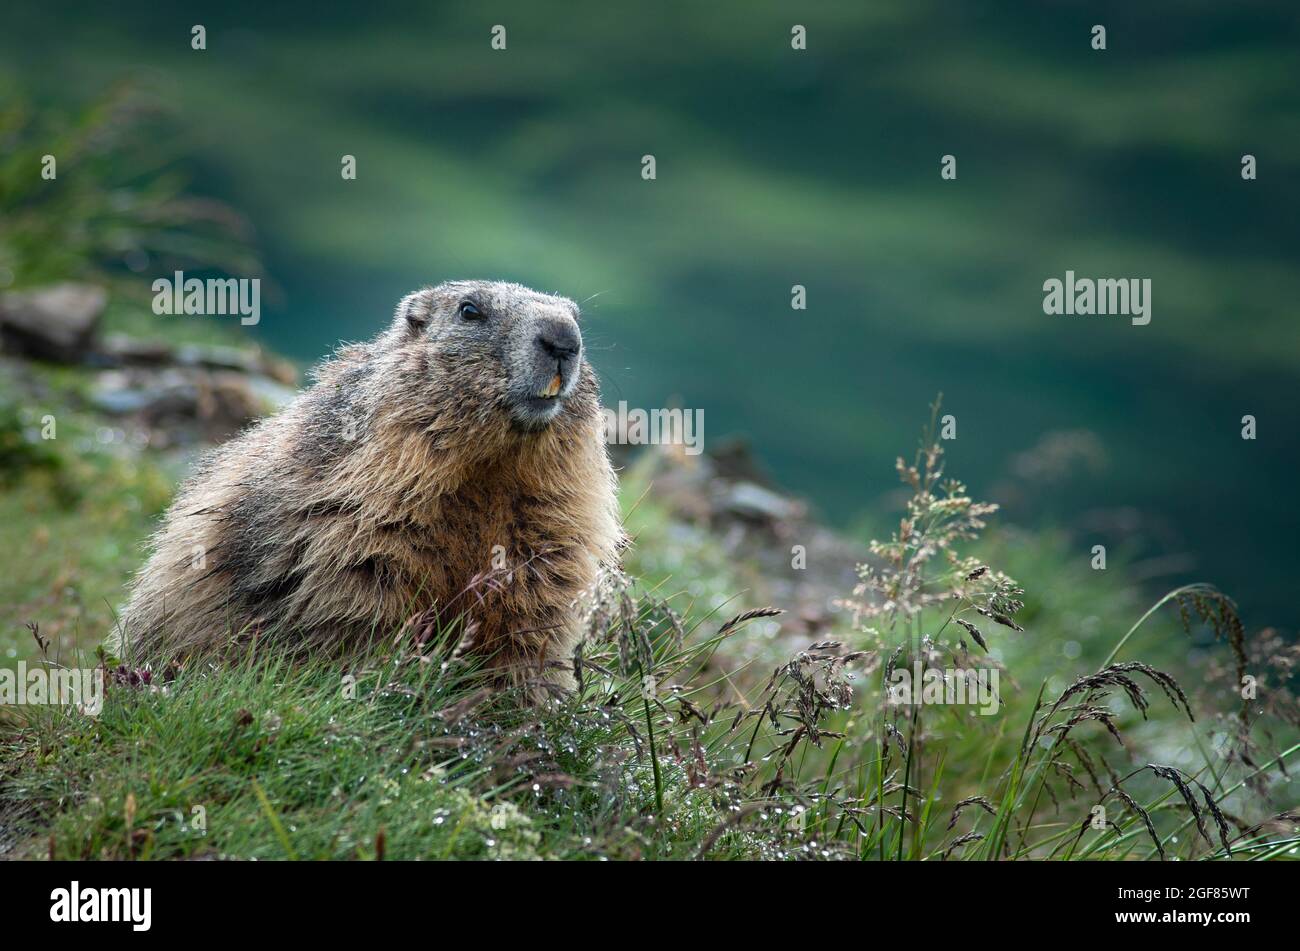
819,168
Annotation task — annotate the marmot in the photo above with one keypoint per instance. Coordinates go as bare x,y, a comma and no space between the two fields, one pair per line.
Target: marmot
454,464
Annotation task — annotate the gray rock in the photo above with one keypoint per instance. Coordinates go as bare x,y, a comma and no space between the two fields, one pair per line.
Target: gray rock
180,405
119,350
751,501
52,323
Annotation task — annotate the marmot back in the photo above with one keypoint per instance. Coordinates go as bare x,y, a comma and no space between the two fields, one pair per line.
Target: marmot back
454,464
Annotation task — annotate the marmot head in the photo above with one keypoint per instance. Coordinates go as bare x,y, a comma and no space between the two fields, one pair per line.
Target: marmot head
497,346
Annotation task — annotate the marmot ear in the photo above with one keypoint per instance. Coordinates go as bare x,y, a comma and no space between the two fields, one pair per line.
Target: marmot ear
414,310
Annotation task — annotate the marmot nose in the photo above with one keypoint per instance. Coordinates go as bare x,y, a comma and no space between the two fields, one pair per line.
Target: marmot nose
559,340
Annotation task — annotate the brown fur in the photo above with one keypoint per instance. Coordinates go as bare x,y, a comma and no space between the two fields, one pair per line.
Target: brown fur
380,493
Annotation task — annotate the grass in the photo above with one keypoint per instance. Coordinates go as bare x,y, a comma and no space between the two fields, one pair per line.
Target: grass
720,755
405,756
74,512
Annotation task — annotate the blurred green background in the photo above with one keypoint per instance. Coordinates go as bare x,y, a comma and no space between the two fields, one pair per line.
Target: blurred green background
820,168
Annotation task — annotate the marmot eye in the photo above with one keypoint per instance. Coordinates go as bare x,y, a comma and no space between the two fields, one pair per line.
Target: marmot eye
469,311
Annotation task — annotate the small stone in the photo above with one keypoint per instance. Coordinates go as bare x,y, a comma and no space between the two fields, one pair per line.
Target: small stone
52,323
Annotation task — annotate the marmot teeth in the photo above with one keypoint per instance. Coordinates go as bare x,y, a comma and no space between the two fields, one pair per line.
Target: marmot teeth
553,389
